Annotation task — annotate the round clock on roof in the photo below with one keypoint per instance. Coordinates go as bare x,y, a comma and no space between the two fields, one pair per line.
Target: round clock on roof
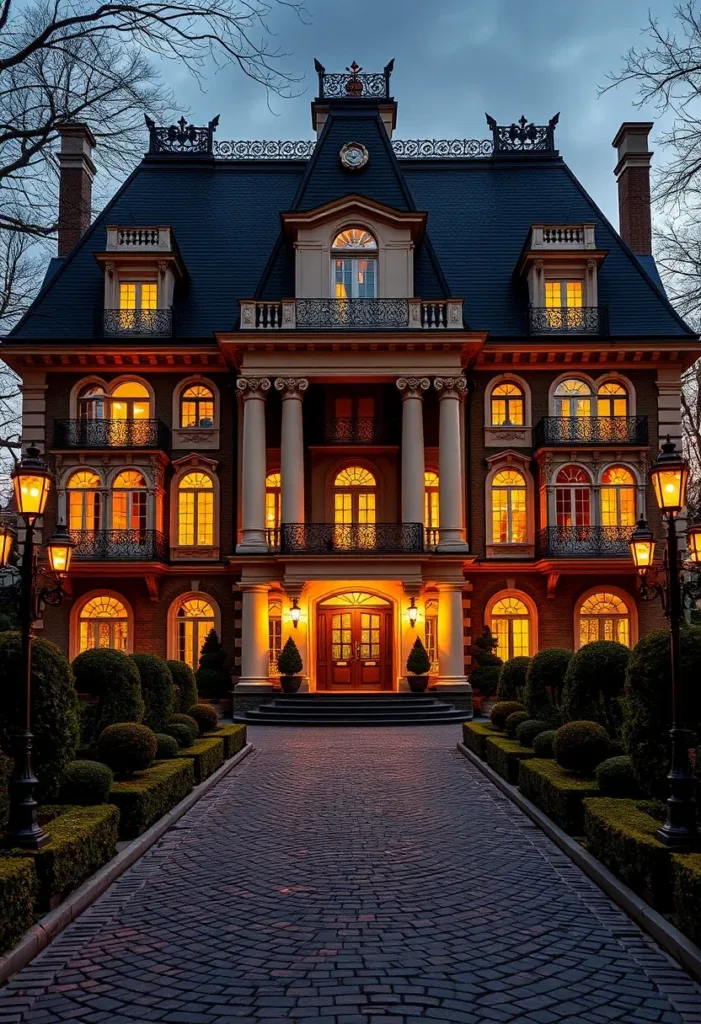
354,156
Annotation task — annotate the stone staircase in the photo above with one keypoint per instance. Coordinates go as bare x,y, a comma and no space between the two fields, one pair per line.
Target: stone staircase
303,709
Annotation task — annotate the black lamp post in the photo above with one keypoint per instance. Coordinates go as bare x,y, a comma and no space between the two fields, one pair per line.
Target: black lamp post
31,482
669,475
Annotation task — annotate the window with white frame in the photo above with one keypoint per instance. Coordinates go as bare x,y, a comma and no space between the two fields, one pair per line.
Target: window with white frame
604,616
354,265
572,497
508,507
510,622
84,501
431,634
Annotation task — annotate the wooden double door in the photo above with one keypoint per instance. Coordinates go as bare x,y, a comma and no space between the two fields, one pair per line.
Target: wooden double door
354,648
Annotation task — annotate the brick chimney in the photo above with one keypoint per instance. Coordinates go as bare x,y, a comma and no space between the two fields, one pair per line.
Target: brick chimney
76,173
633,177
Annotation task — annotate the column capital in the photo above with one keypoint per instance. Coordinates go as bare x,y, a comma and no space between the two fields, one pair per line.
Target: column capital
252,387
291,387
412,387
450,387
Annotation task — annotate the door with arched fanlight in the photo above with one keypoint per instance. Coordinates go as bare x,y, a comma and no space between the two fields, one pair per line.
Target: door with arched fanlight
354,642
355,508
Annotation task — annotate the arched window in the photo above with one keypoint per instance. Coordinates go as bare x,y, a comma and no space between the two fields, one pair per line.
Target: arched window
197,406
611,400
431,506
573,497
128,400
196,510
617,497
431,634
510,623
507,405
274,636
129,501
354,496
193,621
354,265
103,622
93,403
509,524
273,501
604,616
573,398
84,501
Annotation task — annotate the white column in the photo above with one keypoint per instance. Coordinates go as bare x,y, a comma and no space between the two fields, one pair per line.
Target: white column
451,654
411,390
254,638
451,392
292,448
253,390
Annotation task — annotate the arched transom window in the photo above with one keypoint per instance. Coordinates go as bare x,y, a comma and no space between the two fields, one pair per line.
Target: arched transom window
193,620
573,497
129,501
507,405
617,497
84,501
510,623
508,496
573,398
354,265
196,510
611,400
103,622
197,406
129,400
604,616
355,496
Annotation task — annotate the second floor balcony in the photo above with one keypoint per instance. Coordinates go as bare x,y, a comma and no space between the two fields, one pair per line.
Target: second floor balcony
351,539
120,545
138,323
568,320
350,314
596,430
354,430
584,542
110,433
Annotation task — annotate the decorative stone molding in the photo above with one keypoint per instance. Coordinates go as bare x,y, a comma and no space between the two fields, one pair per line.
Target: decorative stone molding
252,387
507,437
451,387
412,387
291,387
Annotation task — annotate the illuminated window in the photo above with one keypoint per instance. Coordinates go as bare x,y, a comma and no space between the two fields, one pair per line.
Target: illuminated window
196,510
129,400
573,398
508,507
103,622
358,504
510,624
604,616
129,501
354,276
618,497
194,619
611,400
431,634
431,500
273,501
274,636
507,405
197,406
573,497
138,295
84,501
562,300
93,403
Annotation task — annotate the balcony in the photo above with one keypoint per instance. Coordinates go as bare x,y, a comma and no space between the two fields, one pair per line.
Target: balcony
568,320
600,430
139,239
110,434
354,430
351,539
584,542
351,314
546,237
138,323
120,545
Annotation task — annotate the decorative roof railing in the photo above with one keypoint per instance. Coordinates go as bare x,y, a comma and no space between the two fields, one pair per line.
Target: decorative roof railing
523,136
302,149
182,138
354,83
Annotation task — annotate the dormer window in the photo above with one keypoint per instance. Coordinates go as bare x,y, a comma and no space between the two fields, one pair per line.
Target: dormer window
354,265
564,301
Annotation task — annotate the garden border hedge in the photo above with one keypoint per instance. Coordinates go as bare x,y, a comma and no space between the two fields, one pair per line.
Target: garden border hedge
232,736
558,793
17,885
475,736
686,885
505,755
206,755
150,794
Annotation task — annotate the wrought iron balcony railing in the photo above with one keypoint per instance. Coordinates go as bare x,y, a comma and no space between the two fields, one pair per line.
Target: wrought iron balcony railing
352,313
120,545
346,314
568,430
585,541
351,539
138,323
354,83
110,434
568,319
353,430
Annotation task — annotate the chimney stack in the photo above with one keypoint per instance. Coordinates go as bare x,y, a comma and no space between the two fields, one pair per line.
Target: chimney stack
76,173
633,177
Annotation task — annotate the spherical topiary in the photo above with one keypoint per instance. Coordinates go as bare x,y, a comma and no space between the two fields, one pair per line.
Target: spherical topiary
616,777
113,678
185,685
528,730
188,720
580,747
502,710
205,715
85,783
512,678
127,747
167,746
513,722
157,688
55,720
594,684
543,744
545,677
182,734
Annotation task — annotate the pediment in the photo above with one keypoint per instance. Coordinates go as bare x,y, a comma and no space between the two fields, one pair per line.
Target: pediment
357,207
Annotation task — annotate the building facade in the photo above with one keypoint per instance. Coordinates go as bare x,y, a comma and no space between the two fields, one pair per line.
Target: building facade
351,390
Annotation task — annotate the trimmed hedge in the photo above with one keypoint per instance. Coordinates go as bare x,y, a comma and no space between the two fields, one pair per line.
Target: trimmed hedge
6,766
557,792
512,678
16,900
622,836
232,736
185,685
207,755
501,711
616,777
206,716
594,685
86,783
475,736
114,679
513,722
545,679
528,730
504,756
158,690
686,880
182,734
150,794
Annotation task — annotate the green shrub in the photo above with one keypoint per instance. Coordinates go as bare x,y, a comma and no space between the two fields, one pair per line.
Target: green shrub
622,837
167,747
185,685
183,719
157,688
213,675
205,715
580,747
474,736
528,730
207,755
648,706
512,678
127,747
55,720
513,722
686,878
616,777
502,710
113,678
16,900
418,663
150,794
594,685
182,734
289,661
232,736
543,744
86,783
504,756
557,792
545,678
485,675
6,766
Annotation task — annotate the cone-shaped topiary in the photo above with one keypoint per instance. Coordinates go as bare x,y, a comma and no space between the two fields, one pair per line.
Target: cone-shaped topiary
418,662
543,744
205,715
127,747
580,747
485,676
616,777
594,685
114,679
185,685
86,783
528,730
501,711
289,662
157,688
513,722
545,678
512,678
167,747
213,675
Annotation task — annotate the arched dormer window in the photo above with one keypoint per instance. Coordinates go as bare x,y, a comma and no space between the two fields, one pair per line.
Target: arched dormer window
84,501
354,264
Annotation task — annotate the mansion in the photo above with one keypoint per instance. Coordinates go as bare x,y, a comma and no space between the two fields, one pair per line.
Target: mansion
353,390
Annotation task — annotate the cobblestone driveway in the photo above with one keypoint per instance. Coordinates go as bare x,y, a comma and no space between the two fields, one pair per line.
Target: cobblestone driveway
345,877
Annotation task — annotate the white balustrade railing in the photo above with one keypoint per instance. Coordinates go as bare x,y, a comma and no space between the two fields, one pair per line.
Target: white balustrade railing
563,236
282,314
131,239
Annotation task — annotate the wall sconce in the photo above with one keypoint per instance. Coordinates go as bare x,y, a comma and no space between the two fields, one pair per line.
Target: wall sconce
413,612
294,612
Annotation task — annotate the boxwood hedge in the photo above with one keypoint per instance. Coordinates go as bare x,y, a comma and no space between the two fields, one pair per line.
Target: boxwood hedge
207,755
157,688
150,794
686,875
113,678
557,792
545,679
594,685
504,756
232,736
475,735
185,685
512,678
16,900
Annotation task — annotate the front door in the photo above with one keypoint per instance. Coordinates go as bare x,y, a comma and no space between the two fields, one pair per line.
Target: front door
354,649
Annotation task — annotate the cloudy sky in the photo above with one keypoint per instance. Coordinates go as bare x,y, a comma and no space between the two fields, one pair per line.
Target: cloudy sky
455,59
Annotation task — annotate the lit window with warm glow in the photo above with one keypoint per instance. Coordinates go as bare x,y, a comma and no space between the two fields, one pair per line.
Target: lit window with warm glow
196,510
129,501
103,622
507,405
197,406
573,497
618,497
431,634
431,500
274,636
354,497
193,621
128,400
562,300
354,265
510,624
84,501
611,400
604,616
573,398
135,295
508,500
273,501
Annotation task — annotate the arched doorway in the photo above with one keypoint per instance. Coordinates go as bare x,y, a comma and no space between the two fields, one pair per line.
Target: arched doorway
354,642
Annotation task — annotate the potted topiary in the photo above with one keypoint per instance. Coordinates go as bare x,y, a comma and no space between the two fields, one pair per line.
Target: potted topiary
418,665
289,664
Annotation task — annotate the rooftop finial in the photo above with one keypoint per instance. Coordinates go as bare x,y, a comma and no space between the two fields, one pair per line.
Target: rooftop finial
523,136
354,83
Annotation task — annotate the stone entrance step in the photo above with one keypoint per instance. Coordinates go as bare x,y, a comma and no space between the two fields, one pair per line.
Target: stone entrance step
354,709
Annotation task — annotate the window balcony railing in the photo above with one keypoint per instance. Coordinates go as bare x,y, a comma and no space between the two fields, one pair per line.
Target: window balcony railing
272,538
431,538
351,539
120,545
353,430
110,434
138,323
349,314
568,319
584,541
567,430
